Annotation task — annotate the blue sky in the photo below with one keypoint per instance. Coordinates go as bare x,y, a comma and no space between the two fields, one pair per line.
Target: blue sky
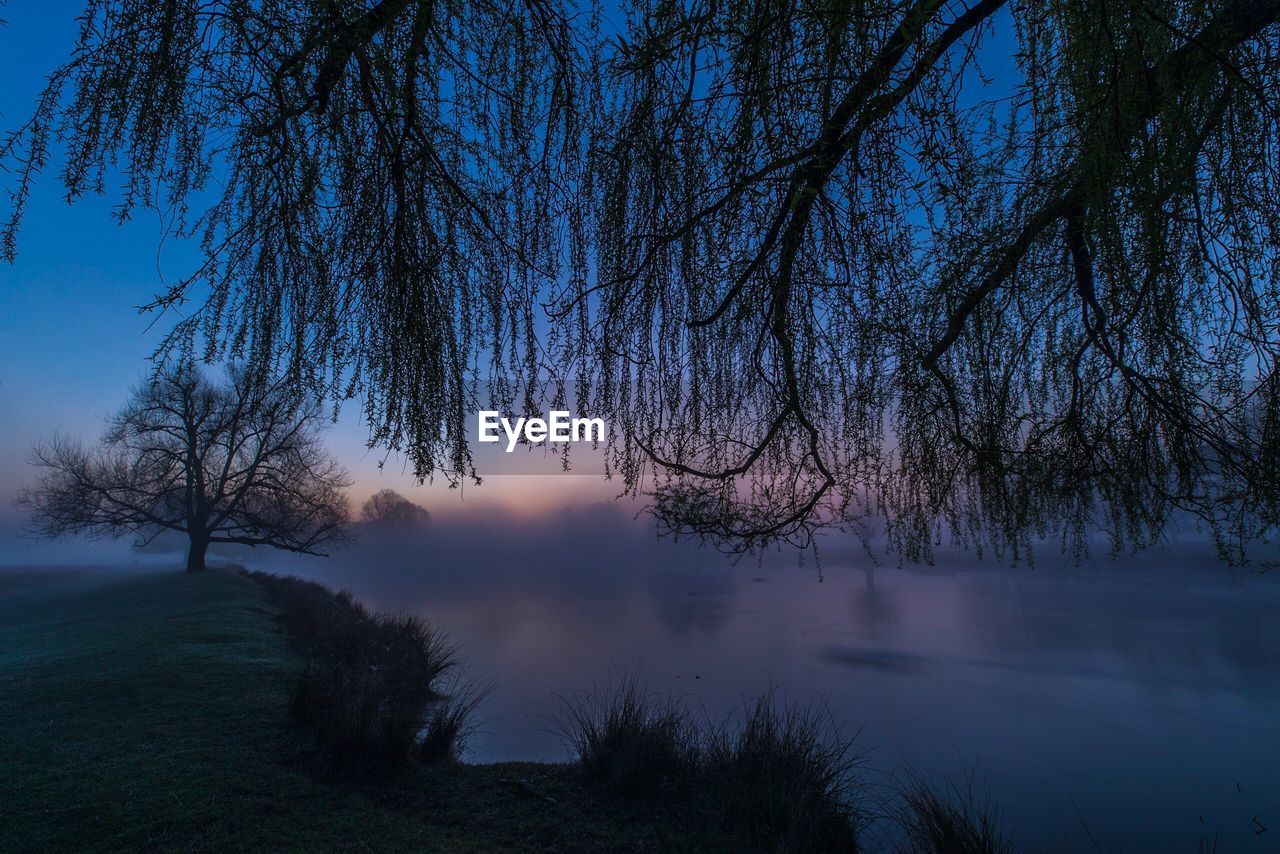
72,341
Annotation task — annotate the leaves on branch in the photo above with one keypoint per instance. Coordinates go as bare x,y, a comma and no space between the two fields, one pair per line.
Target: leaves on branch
995,271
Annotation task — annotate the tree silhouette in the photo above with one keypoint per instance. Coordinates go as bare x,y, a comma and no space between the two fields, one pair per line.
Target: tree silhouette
219,463
374,185
388,508
992,270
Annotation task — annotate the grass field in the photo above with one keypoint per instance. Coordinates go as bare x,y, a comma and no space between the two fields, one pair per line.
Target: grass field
151,712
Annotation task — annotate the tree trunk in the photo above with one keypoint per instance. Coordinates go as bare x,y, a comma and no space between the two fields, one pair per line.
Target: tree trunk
195,553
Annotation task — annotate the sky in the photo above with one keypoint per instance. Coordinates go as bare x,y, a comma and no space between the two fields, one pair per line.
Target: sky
72,341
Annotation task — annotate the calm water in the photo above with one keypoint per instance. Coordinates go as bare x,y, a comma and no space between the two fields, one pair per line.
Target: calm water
1137,702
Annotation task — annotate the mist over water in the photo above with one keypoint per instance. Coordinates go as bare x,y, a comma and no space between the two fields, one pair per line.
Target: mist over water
1131,700
1142,693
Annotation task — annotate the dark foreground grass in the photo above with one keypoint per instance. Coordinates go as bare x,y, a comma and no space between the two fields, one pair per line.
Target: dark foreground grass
640,744
942,817
787,774
152,713
778,778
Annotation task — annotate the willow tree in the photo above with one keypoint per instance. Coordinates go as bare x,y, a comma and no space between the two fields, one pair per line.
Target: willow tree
845,269
377,188
994,270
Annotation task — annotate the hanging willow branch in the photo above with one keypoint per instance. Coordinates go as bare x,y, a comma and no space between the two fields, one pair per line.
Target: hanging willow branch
845,269
993,270
378,189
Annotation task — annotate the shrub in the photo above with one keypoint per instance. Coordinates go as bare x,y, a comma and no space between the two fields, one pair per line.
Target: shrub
371,679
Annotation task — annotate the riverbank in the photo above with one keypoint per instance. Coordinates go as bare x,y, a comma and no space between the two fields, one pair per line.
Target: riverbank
151,711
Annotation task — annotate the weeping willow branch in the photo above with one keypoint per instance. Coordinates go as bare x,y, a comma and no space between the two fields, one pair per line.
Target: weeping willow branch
994,271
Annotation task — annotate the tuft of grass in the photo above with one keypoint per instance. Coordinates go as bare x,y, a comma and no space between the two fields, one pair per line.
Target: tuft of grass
370,690
641,744
781,778
944,818
787,776
451,722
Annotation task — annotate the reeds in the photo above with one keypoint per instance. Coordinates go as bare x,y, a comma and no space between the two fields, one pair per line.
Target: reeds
787,774
941,817
450,722
636,741
781,777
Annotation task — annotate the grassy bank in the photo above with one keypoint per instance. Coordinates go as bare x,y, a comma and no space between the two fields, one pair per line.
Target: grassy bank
153,712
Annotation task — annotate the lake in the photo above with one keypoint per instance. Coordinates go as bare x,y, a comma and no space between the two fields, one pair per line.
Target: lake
1118,705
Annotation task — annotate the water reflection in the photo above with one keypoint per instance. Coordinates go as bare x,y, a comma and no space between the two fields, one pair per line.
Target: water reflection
876,612
1145,693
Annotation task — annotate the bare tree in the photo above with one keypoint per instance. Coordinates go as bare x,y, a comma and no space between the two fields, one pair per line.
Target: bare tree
232,463
391,509
996,269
